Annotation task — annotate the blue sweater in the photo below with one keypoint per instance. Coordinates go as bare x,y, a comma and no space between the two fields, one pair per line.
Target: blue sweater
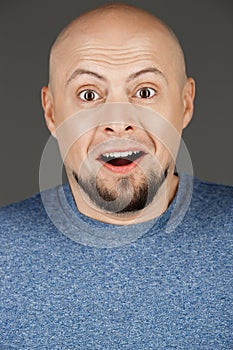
164,284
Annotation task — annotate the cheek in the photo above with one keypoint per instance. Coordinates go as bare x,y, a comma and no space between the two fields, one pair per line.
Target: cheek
167,136
171,108
80,146
74,157
65,106
177,112
78,151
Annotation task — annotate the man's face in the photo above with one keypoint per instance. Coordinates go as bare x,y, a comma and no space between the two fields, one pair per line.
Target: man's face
118,159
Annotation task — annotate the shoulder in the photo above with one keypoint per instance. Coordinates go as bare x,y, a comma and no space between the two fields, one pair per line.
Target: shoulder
211,199
208,191
21,209
212,188
24,215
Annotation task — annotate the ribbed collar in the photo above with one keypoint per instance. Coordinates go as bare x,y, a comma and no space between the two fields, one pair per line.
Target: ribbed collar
62,209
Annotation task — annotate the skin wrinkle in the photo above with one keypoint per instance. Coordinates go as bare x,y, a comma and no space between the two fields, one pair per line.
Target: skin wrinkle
82,26
138,45
109,60
79,72
112,62
112,69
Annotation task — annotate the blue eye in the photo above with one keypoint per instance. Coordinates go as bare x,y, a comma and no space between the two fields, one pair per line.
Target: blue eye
145,92
88,95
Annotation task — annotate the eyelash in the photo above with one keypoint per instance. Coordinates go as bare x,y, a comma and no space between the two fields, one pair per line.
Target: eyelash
86,91
148,89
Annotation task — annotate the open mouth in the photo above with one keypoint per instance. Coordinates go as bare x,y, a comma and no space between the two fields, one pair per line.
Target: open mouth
121,159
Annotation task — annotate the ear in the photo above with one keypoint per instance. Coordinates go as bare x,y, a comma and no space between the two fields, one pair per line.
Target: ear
48,106
188,99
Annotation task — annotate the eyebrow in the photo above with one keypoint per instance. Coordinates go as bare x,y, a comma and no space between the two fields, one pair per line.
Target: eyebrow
79,71
154,70
133,76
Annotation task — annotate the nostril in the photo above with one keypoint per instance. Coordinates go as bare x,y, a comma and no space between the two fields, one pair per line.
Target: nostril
108,129
118,128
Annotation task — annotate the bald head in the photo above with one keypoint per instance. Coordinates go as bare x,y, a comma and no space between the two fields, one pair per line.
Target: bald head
113,11
115,24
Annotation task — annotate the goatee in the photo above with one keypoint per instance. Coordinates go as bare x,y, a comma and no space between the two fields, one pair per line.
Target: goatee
126,195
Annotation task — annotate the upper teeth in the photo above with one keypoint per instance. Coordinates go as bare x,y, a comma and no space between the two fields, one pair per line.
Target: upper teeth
120,154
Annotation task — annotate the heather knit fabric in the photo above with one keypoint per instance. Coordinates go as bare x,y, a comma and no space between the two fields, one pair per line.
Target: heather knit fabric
162,284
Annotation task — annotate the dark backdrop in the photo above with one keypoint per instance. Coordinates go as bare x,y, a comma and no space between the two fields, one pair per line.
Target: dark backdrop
27,30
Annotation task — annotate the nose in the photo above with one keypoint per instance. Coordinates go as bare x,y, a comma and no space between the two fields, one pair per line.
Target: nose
117,119
118,128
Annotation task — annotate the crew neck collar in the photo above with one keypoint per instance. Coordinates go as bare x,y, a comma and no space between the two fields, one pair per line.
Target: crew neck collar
80,228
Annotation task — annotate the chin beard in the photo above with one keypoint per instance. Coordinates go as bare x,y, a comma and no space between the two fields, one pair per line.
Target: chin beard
123,196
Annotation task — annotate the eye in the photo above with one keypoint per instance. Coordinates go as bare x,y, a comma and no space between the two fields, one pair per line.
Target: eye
88,95
145,92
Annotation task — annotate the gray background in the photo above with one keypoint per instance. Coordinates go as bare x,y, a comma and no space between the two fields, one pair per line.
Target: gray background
27,30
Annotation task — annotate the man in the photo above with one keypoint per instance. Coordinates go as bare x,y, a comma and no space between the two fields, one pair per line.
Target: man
130,254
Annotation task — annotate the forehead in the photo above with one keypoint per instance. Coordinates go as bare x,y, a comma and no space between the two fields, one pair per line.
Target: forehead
121,45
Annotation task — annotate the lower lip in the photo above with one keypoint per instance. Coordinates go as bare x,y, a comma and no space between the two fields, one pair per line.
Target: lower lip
124,168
